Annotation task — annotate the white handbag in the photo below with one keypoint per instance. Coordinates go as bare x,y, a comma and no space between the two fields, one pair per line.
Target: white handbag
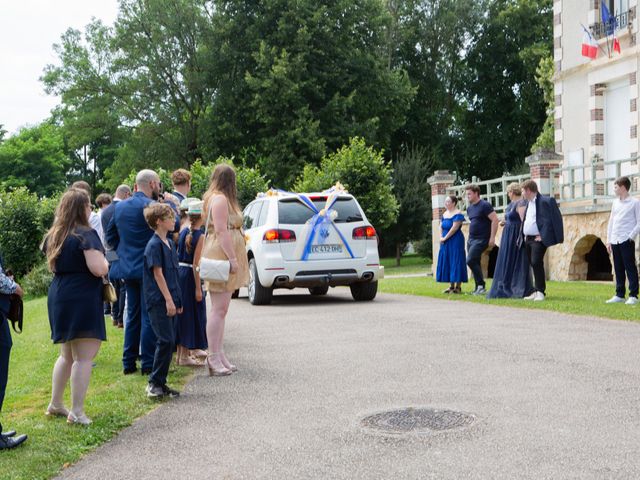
212,270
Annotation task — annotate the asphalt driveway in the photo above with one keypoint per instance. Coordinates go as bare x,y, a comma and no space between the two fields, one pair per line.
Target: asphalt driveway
549,395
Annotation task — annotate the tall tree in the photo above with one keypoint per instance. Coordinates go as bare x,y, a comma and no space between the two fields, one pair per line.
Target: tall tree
36,158
505,106
301,77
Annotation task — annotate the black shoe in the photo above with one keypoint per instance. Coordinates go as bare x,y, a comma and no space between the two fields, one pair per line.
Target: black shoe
10,433
11,442
130,370
154,391
170,392
145,371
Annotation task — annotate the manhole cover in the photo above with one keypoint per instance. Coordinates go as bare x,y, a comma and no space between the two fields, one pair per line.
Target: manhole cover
417,420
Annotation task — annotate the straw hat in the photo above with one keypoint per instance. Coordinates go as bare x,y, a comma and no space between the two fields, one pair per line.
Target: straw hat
195,207
184,204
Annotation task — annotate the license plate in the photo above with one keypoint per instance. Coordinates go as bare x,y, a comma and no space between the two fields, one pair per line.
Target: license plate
329,248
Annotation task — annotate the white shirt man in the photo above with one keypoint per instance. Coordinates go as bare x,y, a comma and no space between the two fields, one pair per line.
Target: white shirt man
530,227
623,228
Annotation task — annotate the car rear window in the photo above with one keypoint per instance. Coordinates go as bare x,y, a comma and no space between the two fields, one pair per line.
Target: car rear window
293,212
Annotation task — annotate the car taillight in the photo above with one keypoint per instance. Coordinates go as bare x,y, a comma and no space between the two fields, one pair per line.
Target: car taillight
279,236
362,233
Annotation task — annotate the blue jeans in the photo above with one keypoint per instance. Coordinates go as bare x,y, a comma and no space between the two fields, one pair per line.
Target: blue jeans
475,248
139,339
5,351
164,329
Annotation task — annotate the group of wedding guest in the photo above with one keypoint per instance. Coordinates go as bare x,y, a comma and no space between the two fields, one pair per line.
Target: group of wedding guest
165,295
532,223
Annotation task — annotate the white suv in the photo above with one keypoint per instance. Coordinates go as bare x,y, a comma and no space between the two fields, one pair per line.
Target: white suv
314,240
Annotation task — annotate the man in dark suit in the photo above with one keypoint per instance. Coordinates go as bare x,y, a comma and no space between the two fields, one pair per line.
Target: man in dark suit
128,233
8,287
542,228
117,309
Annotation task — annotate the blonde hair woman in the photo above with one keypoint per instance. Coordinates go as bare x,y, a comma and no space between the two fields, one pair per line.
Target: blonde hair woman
225,240
76,257
511,277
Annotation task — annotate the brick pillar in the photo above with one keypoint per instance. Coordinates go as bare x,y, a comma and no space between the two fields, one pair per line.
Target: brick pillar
540,165
439,182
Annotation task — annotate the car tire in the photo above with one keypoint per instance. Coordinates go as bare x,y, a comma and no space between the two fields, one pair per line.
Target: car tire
258,295
319,290
364,292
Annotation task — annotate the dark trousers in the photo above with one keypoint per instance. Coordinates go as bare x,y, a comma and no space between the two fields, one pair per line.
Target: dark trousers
139,339
475,248
117,309
164,329
5,351
535,253
624,261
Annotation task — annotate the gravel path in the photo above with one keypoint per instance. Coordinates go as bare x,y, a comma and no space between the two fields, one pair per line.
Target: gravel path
553,396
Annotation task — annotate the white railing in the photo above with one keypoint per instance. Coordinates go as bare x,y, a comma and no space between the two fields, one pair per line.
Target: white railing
493,191
594,182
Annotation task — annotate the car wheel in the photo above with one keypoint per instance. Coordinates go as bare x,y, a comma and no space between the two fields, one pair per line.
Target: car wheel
363,292
258,295
319,290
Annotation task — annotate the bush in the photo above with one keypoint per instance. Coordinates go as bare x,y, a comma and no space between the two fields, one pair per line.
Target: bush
21,230
364,173
48,207
250,183
36,282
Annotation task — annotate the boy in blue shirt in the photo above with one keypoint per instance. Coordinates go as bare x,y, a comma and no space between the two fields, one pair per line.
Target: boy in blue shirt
162,295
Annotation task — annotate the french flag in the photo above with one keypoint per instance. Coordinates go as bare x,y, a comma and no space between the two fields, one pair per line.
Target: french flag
589,46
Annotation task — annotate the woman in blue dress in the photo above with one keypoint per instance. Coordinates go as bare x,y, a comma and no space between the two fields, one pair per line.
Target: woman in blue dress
512,277
76,257
191,337
452,265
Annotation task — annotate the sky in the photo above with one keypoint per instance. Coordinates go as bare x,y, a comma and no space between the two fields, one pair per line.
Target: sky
28,30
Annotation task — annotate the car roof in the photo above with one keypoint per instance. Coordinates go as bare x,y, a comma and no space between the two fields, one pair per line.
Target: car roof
281,195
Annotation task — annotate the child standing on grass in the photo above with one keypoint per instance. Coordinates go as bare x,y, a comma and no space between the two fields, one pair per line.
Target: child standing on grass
162,295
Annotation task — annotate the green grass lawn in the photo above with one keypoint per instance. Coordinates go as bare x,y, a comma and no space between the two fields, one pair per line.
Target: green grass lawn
580,298
409,264
113,400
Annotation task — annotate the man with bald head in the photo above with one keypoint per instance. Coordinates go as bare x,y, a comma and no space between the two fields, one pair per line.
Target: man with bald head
128,234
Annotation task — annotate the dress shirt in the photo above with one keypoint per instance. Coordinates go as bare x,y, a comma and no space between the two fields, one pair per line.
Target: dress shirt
624,222
530,226
96,223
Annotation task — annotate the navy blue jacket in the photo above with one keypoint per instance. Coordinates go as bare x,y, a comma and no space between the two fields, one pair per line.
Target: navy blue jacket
549,220
128,234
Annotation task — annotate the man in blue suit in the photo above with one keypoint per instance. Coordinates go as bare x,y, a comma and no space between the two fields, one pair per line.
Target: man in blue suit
542,228
128,234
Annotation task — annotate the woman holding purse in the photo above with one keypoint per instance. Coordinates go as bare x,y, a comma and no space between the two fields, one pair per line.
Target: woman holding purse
76,257
224,241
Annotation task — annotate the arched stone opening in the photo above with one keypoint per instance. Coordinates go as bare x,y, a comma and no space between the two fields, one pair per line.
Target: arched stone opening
590,260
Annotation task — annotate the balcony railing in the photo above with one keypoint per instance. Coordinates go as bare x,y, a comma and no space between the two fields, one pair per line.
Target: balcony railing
593,183
600,30
493,191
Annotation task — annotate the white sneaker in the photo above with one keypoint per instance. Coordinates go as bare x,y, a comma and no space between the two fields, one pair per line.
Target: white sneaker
631,301
531,297
539,297
616,299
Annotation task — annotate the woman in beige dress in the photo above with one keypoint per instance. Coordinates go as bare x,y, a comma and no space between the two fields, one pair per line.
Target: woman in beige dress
224,240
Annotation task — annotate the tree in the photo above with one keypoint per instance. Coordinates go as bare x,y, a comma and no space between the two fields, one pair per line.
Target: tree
363,171
505,106
147,73
36,158
544,77
297,78
413,194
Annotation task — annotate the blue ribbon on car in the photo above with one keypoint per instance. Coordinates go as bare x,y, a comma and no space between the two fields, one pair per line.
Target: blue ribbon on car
320,219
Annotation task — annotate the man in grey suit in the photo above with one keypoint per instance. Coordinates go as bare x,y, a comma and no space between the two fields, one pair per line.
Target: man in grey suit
542,228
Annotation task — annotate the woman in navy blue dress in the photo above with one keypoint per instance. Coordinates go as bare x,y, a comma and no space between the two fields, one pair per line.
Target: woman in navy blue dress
512,277
76,257
452,265
191,337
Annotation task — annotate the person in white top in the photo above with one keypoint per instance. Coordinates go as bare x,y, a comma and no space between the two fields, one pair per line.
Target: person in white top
623,228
